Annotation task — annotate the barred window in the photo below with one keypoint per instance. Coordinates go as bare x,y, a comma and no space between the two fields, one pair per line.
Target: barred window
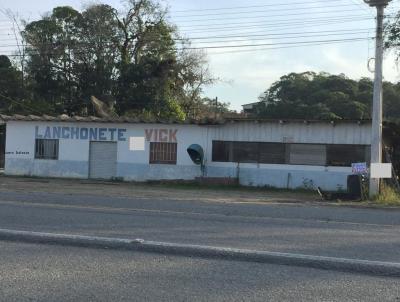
163,153
307,154
345,155
293,154
272,153
248,152
46,149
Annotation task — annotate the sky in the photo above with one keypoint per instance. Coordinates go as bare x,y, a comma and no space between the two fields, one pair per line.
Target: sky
251,44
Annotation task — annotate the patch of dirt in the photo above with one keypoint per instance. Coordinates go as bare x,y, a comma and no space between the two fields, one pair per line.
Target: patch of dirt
151,191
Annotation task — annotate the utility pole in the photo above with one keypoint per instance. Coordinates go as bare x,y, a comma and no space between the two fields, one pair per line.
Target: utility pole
376,138
216,107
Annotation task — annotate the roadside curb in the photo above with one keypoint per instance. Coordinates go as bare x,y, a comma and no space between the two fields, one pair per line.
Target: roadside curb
320,262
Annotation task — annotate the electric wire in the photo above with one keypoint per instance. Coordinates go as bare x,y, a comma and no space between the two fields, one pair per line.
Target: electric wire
265,11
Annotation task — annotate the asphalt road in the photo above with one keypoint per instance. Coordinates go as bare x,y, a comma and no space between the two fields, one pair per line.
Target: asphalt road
52,273
368,234
31,272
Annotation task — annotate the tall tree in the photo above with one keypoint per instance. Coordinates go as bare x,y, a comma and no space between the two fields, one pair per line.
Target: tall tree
132,55
310,95
11,90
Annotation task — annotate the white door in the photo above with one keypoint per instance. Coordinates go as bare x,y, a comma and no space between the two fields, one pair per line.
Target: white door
103,160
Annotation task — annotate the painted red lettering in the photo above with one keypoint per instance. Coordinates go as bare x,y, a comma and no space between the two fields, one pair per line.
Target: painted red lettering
163,134
149,133
172,135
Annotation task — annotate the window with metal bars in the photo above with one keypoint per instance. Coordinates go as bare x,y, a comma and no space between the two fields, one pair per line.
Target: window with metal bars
248,152
163,153
293,154
46,149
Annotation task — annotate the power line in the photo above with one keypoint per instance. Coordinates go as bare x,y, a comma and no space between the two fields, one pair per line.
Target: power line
235,46
271,44
21,104
253,6
276,25
286,37
266,11
283,23
283,47
268,16
274,33
246,37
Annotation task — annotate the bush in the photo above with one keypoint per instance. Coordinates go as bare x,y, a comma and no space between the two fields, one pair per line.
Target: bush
388,195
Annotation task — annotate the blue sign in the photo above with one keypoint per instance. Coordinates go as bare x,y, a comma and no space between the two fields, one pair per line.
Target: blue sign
84,133
359,168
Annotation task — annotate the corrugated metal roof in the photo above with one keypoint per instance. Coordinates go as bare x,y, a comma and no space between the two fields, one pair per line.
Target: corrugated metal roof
205,121
94,119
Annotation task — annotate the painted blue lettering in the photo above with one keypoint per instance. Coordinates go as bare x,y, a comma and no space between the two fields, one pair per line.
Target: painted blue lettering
102,134
47,133
65,132
112,132
74,132
37,135
121,133
56,132
93,134
84,133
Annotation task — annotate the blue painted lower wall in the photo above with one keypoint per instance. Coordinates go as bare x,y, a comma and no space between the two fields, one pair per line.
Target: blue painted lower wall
298,177
47,168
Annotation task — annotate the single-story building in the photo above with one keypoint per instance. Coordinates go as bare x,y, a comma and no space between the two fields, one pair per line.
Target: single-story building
256,152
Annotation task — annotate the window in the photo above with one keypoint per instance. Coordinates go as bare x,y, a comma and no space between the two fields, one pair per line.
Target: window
245,152
291,154
272,153
163,153
345,155
248,152
307,154
222,151
46,149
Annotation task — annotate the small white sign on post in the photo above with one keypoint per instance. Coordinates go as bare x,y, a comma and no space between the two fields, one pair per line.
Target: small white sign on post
380,170
136,143
359,168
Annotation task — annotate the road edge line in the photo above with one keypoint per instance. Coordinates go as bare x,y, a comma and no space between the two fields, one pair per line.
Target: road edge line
379,268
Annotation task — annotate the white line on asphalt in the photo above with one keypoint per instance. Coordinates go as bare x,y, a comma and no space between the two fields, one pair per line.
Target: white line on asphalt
320,262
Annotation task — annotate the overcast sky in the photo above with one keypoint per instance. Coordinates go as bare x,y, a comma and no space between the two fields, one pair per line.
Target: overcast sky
294,36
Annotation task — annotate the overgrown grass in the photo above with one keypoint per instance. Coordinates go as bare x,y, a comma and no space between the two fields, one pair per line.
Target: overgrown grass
388,196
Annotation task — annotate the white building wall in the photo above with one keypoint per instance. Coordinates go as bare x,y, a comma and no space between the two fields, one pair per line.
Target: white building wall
134,165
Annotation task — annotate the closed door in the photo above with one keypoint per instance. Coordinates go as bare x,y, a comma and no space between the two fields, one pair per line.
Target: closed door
103,160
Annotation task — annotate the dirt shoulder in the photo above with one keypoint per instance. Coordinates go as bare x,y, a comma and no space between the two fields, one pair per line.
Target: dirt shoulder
171,191
153,190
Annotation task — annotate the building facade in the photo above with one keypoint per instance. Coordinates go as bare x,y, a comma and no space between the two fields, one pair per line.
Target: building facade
282,154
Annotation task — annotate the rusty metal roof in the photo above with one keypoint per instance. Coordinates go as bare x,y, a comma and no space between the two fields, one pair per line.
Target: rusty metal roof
94,119
130,120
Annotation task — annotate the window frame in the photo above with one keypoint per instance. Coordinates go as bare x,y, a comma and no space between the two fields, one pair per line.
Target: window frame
230,150
226,154
43,156
329,162
167,149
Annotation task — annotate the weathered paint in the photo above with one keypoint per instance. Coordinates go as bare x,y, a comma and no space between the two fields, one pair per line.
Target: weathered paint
134,165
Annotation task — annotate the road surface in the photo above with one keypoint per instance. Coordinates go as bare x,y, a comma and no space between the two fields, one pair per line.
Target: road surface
31,272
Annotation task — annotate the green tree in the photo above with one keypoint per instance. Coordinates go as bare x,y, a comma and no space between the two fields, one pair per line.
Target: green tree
11,90
323,96
131,55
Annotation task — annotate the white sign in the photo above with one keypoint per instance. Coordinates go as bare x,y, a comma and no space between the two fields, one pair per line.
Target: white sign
136,143
359,168
379,170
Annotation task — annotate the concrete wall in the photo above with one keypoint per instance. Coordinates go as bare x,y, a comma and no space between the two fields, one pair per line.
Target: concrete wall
134,165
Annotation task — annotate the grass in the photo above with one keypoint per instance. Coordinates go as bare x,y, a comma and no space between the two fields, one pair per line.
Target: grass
388,196
193,185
